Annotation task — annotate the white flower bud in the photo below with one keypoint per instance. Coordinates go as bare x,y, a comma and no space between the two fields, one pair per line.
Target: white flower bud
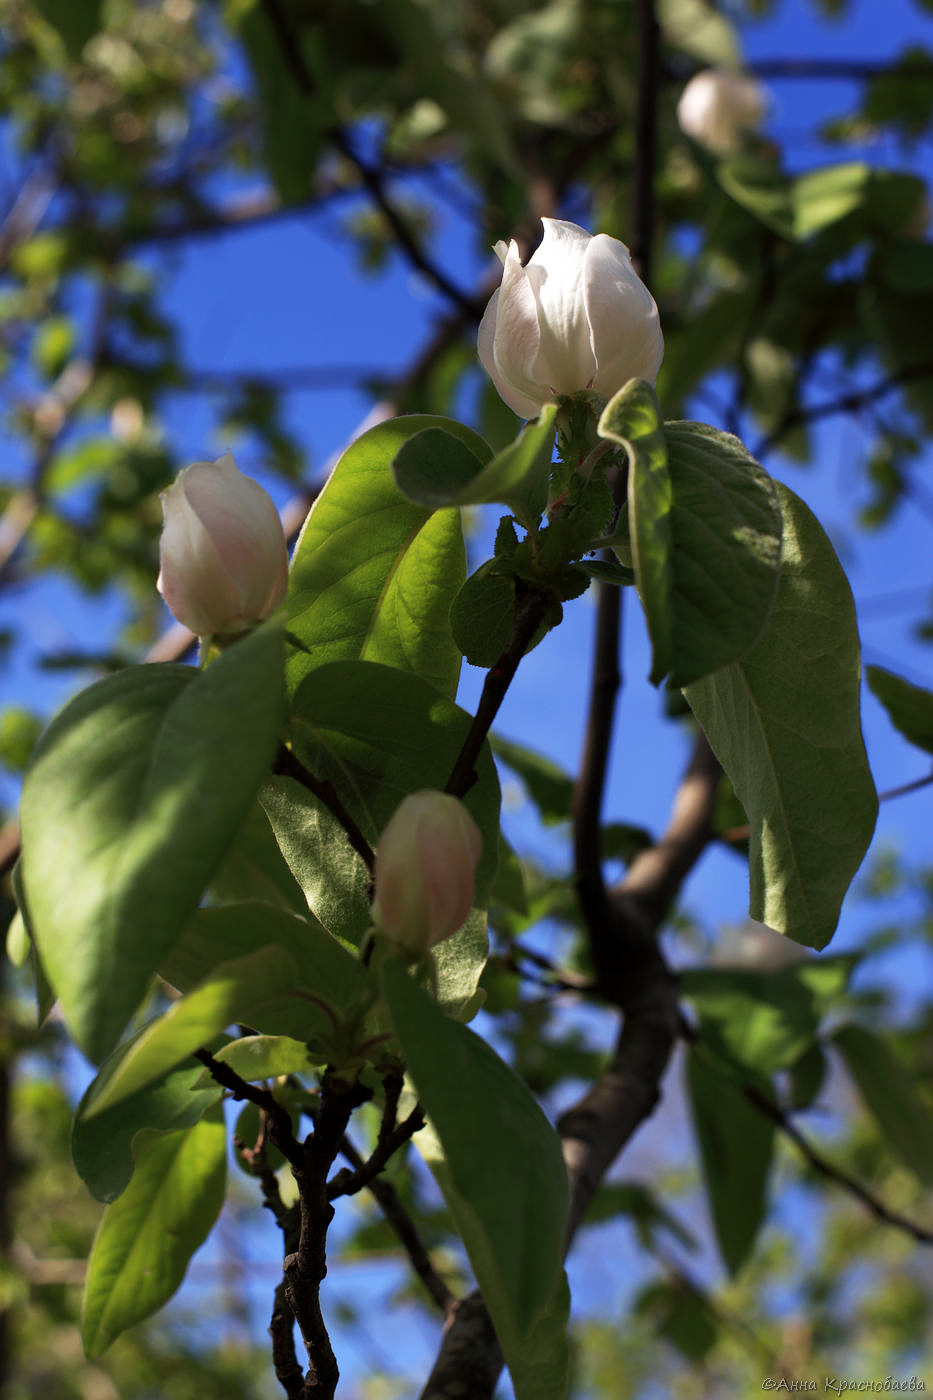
717,107
223,557
577,317
425,863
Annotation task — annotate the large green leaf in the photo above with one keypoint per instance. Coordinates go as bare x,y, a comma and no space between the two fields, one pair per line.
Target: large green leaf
214,936
373,575
332,875
433,471
238,990
102,1145
499,1164
255,868
632,418
133,796
764,1021
149,1234
705,530
904,1117
736,1146
726,542
909,707
784,723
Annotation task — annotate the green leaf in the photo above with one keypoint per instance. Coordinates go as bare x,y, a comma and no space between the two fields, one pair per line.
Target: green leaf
685,1318
149,771
291,124
499,1164
373,575
643,1207
784,723
736,1146
255,1057
909,707
45,997
378,734
764,1021
433,471
76,21
823,197
806,1077
332,875
240,989
482,614
761,188
548,785
459,963
146,1238
324,966
632,418
102,1146
726,546
904,1117
255,868
698,29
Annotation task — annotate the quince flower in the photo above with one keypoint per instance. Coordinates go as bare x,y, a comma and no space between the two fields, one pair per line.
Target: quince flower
425,863
576,317
717,107
223,557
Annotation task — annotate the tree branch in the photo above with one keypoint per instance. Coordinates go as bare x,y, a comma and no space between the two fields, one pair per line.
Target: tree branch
280,1123
401,1223
531,608
371,176
846,403
838,1175
306,1267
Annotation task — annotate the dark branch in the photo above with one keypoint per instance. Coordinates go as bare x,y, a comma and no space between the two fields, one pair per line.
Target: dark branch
306,1267
853,402
401,1223
831,1172
531,608
280,1123
371,176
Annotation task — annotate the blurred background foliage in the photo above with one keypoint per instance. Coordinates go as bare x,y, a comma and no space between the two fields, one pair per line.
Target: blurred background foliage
795,281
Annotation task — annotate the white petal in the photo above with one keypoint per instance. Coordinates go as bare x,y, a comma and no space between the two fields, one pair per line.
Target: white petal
565,361
517,338
485,345
623,317
192,579
246,532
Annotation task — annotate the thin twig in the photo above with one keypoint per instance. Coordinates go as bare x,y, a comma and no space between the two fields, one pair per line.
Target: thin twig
288,766
280,1123
831,1172
371,176
531,608
852,402
401,1223
347,1183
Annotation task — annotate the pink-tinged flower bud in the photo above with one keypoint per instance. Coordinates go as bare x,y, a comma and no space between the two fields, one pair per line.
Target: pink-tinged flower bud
425,862
717,107
577,317
223,557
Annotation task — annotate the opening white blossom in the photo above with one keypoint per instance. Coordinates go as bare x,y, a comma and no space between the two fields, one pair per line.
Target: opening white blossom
578,316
